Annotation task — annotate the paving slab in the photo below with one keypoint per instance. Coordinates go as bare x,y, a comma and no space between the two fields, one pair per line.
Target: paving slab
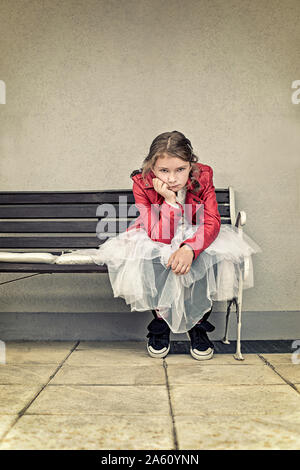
18,374
37,352
285,358
6,422
90,432
117,357
221,374
257,432
111,374
136,345
102,399
217,359
13,398
234,399
290,372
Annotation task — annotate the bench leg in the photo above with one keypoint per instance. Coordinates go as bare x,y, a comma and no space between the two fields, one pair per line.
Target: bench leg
238,355
238,304
225,339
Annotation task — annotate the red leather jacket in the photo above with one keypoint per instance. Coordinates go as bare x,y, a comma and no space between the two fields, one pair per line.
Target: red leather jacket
155,212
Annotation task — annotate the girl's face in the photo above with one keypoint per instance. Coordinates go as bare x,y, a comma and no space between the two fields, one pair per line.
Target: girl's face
172,170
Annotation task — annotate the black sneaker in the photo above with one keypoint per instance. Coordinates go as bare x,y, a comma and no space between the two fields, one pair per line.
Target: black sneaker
159,338
201,347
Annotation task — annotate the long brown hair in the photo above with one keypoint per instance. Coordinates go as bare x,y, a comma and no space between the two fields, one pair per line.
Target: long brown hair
174,144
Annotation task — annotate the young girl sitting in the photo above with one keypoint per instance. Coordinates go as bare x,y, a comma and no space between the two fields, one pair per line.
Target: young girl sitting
176,258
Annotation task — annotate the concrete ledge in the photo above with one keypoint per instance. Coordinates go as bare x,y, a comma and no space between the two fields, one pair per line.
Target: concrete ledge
132,326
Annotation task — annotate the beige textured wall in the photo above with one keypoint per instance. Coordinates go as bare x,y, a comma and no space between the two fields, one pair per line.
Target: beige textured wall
90,84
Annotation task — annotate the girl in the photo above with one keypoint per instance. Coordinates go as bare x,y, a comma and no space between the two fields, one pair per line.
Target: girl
175,258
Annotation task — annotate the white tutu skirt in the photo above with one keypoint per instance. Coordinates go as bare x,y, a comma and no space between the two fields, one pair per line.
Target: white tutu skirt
137,271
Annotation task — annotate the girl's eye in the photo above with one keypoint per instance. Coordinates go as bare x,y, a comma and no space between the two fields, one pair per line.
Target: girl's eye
179,169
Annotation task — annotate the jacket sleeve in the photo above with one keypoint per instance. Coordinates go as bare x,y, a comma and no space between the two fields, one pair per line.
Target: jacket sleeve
158,220
211,220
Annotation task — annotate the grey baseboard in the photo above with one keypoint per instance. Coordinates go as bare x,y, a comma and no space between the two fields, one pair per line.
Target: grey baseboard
263,346
131,326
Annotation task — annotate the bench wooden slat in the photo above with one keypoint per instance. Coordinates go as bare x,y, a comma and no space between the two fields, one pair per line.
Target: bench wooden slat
7,242
78,226
65,197
80,197
56,211
51,268
63,227
51,242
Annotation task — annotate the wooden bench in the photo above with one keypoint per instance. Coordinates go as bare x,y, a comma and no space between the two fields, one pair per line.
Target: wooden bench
29,218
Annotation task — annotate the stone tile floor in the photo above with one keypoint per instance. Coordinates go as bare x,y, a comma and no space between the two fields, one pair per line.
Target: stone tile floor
112,395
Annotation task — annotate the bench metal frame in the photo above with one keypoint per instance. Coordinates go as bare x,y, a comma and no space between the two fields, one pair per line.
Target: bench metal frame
29,218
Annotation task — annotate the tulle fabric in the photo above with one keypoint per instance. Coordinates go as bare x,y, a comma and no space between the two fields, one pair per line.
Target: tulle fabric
138,274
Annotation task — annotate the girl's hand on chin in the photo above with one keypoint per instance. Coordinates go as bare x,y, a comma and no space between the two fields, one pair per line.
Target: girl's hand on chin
162,189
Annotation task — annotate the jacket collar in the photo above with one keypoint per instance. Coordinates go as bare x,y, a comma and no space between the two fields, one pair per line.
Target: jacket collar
148,183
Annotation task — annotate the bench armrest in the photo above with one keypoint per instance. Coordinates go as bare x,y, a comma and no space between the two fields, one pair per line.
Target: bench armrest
239,223
241,219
